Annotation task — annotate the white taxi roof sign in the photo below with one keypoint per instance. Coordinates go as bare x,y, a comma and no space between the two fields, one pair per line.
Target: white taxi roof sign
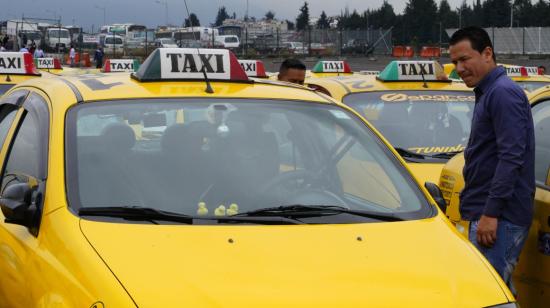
17,63
253,68
48,63
120,65
522,71
170,64
413,71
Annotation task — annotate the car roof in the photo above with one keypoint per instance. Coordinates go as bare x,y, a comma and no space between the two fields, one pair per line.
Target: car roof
340,86
120,86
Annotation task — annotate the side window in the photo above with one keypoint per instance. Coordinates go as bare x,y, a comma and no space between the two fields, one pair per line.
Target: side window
7,114
25,161
541,118
290,157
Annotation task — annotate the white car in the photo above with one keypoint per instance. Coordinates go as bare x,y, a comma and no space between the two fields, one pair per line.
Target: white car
165,43
228,41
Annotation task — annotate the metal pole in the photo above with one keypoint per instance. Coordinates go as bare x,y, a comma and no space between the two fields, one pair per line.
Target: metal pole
59,34
114,46
523,41
512,14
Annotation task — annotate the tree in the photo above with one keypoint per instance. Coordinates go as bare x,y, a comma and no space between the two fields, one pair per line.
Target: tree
192,21
496,13
270,15
446,16
418,18
289,25
323,22
302,21
222,15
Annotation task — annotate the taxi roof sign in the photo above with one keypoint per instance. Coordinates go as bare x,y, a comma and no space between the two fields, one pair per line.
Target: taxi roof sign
48,63
253,68
332,67
413,71
189,63
120,65
522,71
17,63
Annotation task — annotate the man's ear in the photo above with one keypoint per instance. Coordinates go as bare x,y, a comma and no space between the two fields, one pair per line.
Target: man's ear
487,54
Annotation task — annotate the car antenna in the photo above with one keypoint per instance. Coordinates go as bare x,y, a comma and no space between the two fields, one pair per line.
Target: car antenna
208,86
425,85
8,79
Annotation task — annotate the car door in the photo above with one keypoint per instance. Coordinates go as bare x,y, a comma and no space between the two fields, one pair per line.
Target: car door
23,157
533,271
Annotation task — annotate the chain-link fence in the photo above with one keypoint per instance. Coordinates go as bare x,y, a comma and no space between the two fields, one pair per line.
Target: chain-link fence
316,42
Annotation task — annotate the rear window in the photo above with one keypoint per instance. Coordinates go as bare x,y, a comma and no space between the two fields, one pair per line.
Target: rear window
4,88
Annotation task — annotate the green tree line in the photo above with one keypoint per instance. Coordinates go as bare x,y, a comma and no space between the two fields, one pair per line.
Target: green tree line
425,21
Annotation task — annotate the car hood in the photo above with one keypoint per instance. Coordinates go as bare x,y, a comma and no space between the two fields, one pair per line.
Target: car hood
426,172
414,263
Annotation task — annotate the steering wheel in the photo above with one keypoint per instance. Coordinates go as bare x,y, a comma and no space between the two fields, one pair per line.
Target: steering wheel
302,193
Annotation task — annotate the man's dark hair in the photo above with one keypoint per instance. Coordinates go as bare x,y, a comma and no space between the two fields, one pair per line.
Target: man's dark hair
479,39
291,63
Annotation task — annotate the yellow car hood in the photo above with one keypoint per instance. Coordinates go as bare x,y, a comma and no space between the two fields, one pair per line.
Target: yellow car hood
414,264
426,172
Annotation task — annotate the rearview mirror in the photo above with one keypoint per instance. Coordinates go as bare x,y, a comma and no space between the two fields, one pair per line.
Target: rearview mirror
15,203
436,194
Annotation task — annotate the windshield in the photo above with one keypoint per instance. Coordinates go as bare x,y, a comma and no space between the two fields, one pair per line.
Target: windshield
423,122
4,87
231,39
172,155
110,40
30,35
530,86
55,33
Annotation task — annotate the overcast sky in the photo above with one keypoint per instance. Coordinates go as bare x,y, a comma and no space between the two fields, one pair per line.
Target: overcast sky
152,13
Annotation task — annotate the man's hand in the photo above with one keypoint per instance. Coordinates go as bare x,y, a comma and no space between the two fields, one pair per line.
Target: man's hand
487,230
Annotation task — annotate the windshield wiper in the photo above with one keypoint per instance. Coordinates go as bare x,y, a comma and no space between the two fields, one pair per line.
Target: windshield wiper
445,154
408,154
299,210
137,213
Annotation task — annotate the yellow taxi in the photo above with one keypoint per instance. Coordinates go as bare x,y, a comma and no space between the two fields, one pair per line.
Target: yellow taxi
424,116
15,67
239,198
532,274
529,78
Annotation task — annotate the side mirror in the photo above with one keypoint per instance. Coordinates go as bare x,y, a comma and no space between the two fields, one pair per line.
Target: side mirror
15,203
436,193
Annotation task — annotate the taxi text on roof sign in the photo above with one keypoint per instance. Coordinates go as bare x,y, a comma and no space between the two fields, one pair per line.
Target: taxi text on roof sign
120,65
47,63
191,64
522,71
331,67
17,63
412,71
253,68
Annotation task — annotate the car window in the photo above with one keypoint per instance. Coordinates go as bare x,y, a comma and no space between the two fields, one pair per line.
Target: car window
4,88
173,154
541,118
24,158
7,114
424,122
530,86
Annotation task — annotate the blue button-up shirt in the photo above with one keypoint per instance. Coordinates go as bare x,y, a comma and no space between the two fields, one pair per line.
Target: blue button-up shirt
499,173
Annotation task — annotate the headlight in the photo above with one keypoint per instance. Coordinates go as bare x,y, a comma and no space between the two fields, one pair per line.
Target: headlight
507,305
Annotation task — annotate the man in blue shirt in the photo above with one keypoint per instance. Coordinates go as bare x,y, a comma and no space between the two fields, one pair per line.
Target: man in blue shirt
499,170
